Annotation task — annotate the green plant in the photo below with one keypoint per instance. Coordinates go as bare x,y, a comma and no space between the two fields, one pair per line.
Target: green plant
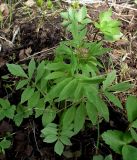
75,4
40,2
120,141
49,4
33,90
6,110
70,87
100,157
1,19
108,26
4,144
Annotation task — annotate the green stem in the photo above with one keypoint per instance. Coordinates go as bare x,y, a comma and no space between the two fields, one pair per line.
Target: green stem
44,95
98,135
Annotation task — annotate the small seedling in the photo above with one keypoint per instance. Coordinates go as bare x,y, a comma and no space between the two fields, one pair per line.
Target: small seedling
108,26
49,4
40,2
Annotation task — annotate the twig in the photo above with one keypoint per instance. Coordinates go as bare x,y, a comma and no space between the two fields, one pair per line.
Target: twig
123,6
37,53
10,42
120,17
35,139
15,34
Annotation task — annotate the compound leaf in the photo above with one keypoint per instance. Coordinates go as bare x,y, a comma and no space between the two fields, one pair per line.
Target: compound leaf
16,70
114,139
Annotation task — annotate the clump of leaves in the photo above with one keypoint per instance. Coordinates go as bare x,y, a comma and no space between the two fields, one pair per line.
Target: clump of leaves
33,86
108,26
6,109
120,141
4,144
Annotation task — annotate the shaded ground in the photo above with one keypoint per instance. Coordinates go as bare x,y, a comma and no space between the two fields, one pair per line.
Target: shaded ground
35,34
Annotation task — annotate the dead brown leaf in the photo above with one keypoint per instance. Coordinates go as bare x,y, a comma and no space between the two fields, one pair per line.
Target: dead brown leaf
30,3
4,9
24,53
117,53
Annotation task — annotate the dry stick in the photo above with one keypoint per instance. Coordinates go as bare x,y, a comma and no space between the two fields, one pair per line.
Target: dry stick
123,6
120,17
10,42
34,133
37,53
130,22
15,34
107,3
130,44
130,48
95,35
115,5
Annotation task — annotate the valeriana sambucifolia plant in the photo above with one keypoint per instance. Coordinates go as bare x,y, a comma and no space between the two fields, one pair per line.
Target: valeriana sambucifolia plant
71,86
